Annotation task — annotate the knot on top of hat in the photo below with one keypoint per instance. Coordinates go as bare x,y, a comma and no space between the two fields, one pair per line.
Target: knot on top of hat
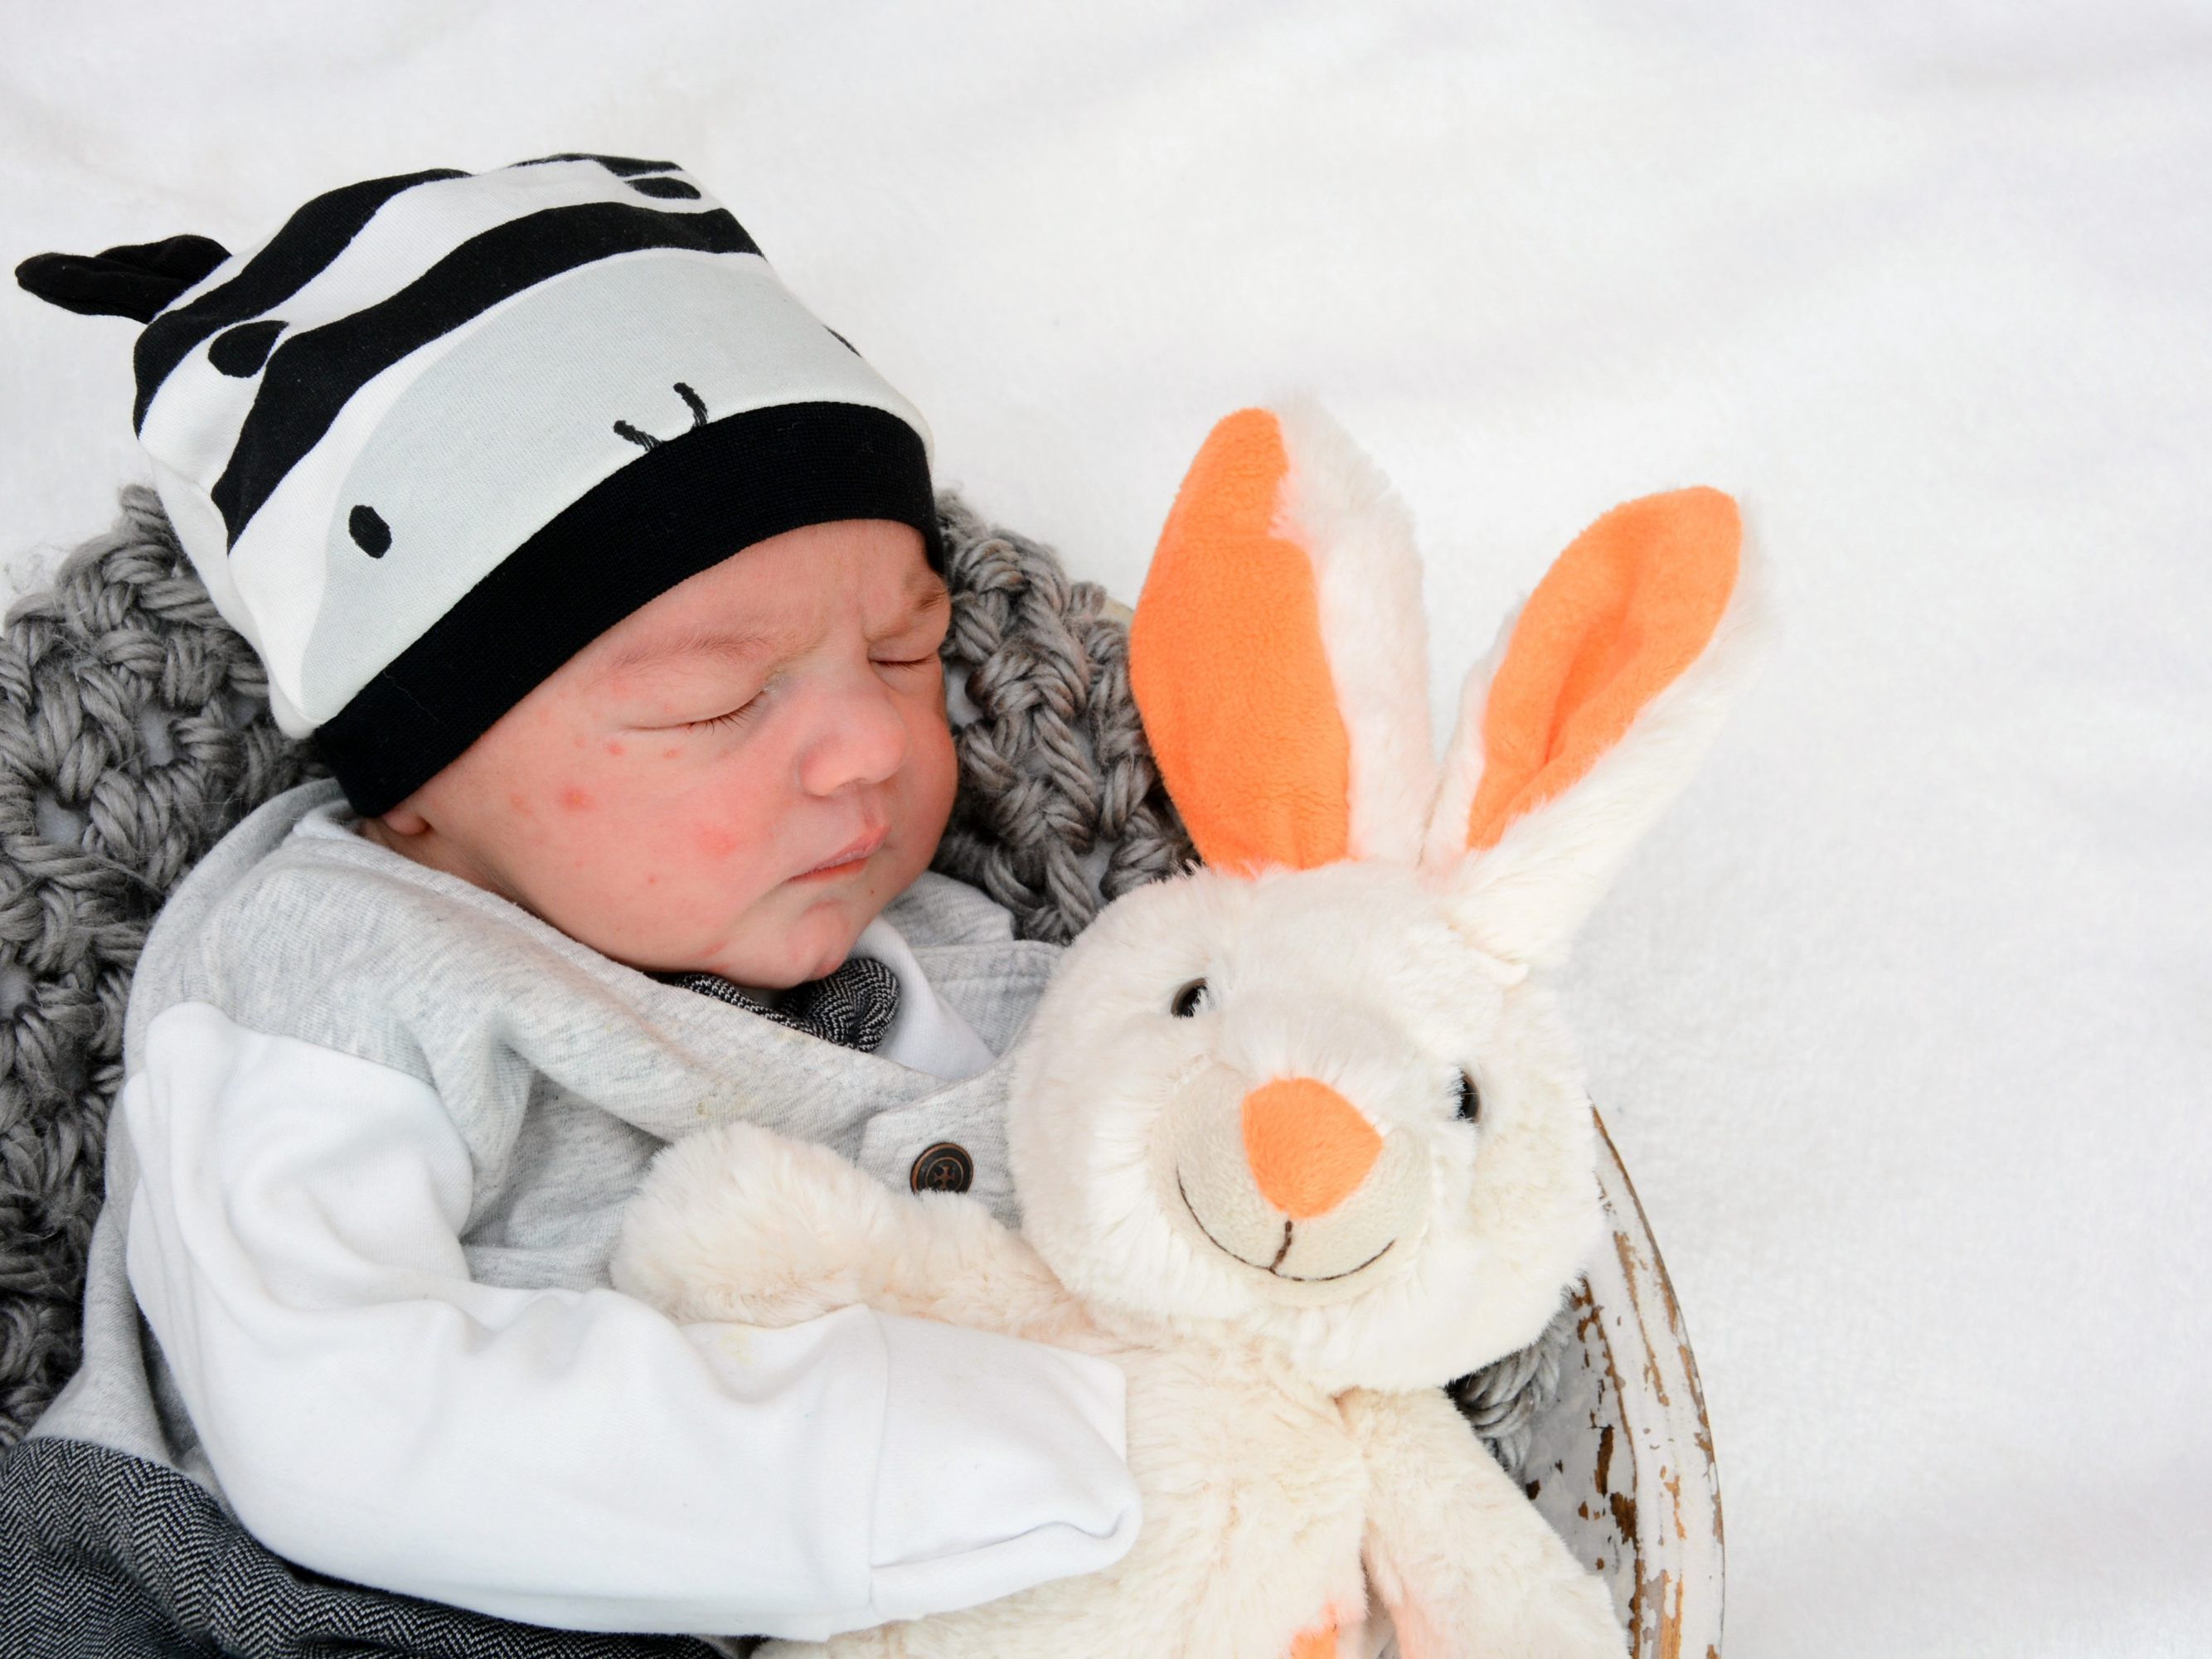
138,279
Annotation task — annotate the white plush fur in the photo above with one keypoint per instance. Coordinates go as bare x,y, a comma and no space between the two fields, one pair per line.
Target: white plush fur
1349,975
1444,843
1518,1594
1525,898
1336,504
1285,1423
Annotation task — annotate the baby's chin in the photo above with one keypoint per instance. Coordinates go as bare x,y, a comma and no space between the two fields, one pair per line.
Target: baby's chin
801,931
810,945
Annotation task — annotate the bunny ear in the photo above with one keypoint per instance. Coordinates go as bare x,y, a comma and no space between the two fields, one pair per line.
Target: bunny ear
1600,701
1277,654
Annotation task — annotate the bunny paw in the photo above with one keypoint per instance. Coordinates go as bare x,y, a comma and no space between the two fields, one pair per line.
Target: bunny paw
737,1223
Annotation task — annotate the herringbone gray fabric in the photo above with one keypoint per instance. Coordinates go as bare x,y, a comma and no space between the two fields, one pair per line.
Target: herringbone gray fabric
108,1555
853,1007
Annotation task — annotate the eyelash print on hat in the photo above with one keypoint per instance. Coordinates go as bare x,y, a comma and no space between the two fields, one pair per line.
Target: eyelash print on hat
646,439
366,527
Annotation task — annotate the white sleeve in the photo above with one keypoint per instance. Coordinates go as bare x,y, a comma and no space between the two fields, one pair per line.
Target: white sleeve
567,1458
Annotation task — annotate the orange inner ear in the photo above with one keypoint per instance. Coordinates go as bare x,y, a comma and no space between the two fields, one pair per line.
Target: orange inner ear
1227,662
1629,605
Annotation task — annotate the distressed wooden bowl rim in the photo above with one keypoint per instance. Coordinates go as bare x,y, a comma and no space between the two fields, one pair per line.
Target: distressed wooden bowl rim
1622,1463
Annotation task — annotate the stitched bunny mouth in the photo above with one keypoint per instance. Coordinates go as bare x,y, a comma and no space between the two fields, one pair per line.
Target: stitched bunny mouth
1273,1268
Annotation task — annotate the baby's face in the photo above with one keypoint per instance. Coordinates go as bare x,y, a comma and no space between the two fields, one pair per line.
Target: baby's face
737,777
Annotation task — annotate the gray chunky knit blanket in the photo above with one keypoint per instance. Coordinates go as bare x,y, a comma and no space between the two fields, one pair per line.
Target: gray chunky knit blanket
135,730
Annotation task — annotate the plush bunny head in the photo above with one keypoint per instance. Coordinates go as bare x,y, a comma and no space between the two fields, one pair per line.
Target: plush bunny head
1310,1089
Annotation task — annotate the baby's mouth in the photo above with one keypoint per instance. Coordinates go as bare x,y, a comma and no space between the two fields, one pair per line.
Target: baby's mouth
848,858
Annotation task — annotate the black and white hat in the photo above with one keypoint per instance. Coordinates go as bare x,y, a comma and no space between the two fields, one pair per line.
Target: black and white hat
439,432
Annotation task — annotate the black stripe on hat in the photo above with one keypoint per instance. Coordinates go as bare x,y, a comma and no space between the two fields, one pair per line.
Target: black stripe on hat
682,507
622,167
308,241
634,173
312,375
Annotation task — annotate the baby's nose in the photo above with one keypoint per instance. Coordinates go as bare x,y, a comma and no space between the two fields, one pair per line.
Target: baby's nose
1308,1146
860,739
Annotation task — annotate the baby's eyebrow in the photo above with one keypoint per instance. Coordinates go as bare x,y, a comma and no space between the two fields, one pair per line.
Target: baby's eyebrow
731,644
925,592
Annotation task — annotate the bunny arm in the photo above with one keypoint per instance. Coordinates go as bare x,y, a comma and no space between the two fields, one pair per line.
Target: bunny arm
958,1265
1456,1552
740,1223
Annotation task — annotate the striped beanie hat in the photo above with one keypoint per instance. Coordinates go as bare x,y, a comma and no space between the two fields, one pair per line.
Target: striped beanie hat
439,432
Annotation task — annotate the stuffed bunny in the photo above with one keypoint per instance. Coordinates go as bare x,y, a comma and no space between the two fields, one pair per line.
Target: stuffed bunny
1295,1136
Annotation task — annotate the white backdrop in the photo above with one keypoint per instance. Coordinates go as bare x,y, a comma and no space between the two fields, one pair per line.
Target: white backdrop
1903,1019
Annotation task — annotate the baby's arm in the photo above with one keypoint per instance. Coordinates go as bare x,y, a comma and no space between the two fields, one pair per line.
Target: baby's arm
568,1458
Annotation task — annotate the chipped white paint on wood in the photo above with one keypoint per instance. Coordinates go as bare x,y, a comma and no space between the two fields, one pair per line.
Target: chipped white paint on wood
1622,1463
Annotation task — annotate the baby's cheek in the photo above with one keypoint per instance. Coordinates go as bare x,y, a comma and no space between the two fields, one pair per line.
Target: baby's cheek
712,841
933,771
715,839
723,857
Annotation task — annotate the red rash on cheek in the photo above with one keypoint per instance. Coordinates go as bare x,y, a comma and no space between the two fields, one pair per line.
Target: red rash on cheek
614,748
575,799
716,840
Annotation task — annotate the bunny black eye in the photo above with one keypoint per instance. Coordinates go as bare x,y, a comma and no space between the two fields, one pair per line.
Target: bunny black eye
1470,1099
1189,1000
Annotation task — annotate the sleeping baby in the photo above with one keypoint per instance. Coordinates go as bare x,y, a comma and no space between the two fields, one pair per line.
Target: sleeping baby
608,582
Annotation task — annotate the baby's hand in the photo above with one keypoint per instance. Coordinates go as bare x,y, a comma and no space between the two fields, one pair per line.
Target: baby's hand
738,1223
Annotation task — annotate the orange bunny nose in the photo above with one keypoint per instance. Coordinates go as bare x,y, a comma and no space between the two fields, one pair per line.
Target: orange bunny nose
1309,1146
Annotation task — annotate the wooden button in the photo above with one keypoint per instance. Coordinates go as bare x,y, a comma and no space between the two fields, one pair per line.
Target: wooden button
944,1168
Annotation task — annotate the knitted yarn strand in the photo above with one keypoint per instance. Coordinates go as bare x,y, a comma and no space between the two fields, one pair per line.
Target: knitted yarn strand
1060,808
134,732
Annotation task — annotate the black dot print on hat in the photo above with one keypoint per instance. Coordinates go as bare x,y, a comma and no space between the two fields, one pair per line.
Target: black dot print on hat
370,531
240,352
672,188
